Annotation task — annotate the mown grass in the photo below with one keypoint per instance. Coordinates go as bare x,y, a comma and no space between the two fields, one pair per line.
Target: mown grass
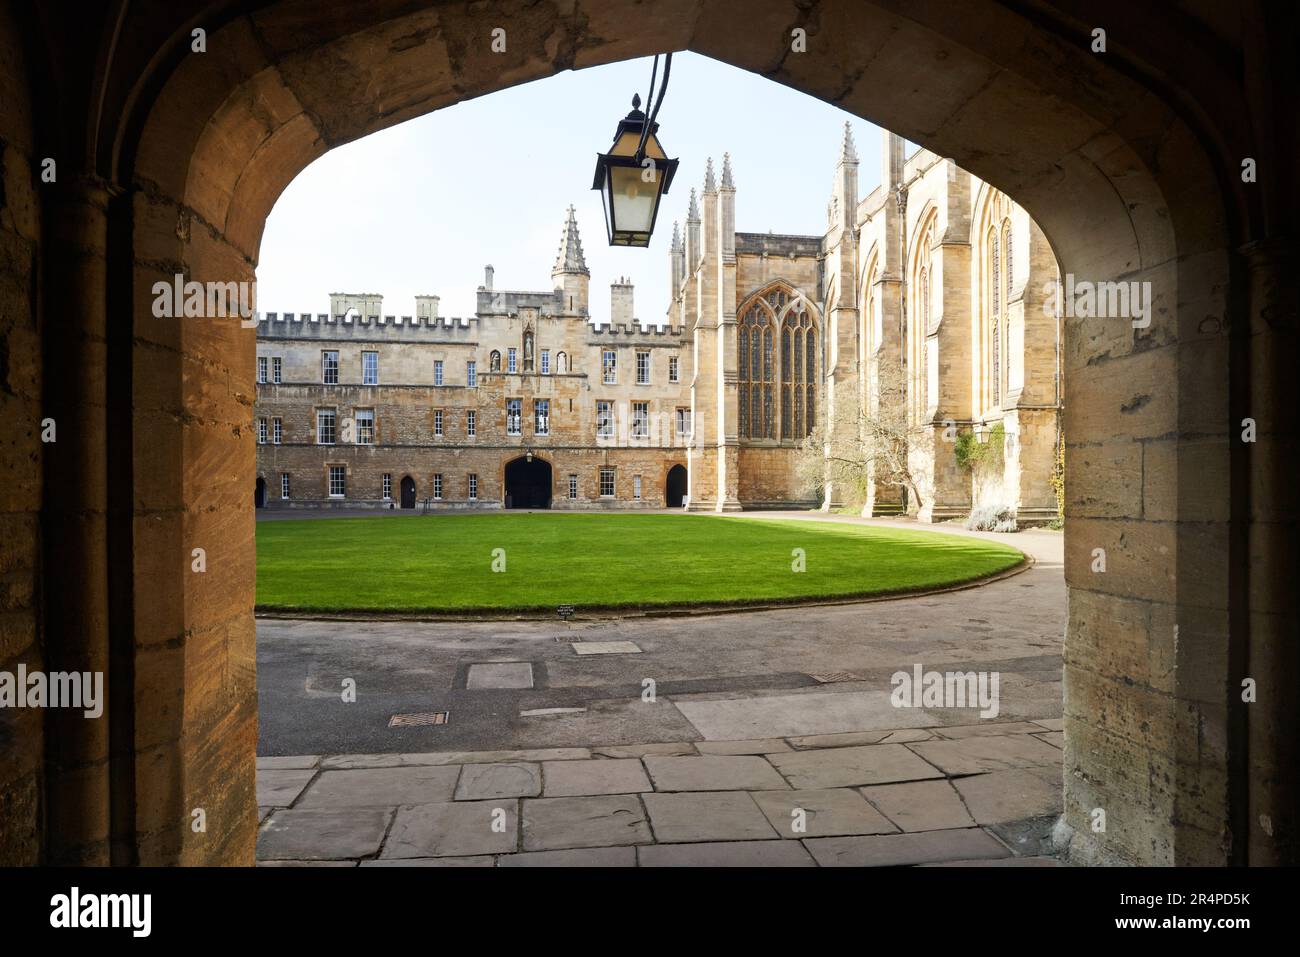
444,563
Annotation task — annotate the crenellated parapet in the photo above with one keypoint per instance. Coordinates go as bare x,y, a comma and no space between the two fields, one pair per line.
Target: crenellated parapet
636,331
305,325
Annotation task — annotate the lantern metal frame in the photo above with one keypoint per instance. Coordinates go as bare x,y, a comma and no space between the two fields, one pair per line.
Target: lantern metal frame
644,128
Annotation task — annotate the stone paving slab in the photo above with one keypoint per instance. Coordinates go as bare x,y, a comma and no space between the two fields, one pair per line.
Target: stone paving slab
757,746
577,857
669,748
381,787
292,762
1001,862
827,812
500,674
482,861
713,773
726,854
351,761
987,728
281,788
484,782
851,767
1015,795
893,850
980,754
1055,738
306,863
574,822
851,738
1051,724
920,805
780,716
329,834
602,776
711,816
605,648
462,829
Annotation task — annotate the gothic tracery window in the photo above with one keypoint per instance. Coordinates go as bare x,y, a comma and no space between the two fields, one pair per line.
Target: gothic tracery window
757,330
919,327
776,368
998,278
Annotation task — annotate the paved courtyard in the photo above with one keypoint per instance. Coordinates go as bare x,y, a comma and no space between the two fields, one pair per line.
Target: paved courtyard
763,737
975,794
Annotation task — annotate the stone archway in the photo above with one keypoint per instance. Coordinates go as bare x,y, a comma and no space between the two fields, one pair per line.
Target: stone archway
408,492
527,482
675,486
189,152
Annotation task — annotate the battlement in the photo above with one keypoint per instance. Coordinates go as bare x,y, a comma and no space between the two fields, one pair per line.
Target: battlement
306,325
636,329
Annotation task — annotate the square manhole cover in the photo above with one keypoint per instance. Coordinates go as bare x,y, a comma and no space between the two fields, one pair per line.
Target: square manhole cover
500,674
830,677
419,719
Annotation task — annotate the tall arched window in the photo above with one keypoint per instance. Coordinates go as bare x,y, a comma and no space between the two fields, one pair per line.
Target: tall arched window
920,315
801,375
998,277
776,362
756,381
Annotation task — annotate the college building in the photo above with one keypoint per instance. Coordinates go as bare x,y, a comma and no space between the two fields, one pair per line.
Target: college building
542,400
526,404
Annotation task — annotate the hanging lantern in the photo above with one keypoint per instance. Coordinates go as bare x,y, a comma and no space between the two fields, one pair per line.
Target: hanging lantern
632,177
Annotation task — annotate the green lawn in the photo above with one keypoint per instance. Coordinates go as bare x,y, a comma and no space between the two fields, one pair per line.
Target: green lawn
444,563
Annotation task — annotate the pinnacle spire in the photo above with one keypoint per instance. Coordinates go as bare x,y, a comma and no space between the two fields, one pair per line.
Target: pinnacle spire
710,184
693,211
677,237
727,182
570,258
848,151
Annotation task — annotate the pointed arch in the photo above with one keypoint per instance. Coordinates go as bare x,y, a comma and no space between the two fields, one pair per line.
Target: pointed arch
995,274
777,362
920,313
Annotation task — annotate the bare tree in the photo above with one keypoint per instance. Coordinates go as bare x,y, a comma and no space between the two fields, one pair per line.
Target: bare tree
866,438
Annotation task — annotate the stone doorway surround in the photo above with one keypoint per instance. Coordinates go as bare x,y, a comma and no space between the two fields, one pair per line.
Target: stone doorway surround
170,161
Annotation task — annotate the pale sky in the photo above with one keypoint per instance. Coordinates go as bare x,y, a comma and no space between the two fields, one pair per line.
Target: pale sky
422,207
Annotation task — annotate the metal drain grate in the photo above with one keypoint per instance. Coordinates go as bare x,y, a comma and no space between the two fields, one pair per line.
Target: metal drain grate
830,677
420,719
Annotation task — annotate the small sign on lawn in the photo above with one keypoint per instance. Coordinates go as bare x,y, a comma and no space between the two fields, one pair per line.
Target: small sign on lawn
564,611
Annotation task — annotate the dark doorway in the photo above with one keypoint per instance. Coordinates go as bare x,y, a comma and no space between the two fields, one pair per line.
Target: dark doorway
408,492
528,484
675,487
259,494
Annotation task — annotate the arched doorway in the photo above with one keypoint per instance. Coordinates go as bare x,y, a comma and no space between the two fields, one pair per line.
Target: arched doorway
408,492
675,486
259,493
528,483
1095,173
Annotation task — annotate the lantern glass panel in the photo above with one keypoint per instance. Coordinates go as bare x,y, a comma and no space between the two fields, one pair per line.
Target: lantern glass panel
633,197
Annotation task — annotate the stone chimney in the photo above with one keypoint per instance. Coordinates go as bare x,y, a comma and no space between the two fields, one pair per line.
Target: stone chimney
620,302
426,307
488,272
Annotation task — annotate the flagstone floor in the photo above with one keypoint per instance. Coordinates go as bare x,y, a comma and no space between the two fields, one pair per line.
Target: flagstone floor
983,794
